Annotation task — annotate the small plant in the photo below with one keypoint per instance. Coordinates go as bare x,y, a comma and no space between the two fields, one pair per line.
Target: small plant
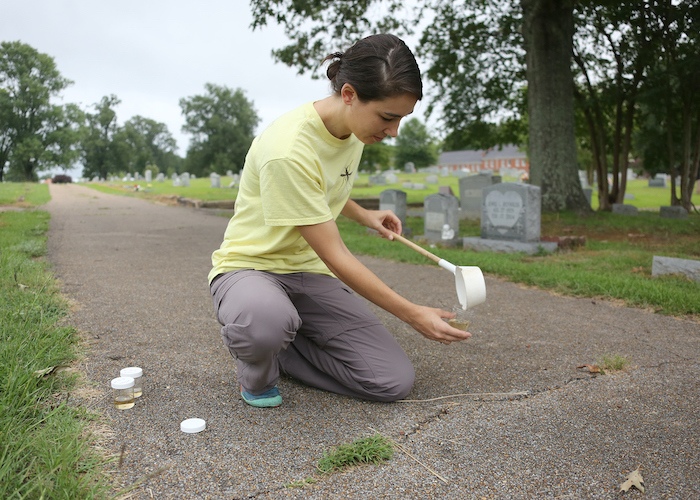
611,362
370,450
300,483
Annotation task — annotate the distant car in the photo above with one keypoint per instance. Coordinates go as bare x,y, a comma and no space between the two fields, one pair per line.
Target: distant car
62,179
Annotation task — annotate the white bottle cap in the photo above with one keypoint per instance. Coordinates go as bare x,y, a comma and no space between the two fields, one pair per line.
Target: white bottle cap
193,425
122,382
132,371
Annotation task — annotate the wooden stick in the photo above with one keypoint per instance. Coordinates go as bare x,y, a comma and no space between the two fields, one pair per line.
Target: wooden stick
417,248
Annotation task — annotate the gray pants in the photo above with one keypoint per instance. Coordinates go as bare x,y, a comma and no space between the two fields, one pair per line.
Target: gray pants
313,328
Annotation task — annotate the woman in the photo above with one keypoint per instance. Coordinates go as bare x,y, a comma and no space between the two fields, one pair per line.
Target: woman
281,281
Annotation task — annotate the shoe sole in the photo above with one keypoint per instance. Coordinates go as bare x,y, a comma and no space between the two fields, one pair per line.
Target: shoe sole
264,402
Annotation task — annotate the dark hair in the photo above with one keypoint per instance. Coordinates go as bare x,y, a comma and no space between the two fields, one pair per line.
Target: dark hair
377,67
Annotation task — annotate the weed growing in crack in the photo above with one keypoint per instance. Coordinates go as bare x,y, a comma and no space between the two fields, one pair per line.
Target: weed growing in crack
611,363
370,450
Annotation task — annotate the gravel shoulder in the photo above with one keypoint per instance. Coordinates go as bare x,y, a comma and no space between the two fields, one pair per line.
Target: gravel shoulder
136,272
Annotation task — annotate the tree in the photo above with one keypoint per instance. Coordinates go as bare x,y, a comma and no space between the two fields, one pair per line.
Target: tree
614,50
480,45
149,143
34,133
222,122
104,150
377,156
678,75
414,144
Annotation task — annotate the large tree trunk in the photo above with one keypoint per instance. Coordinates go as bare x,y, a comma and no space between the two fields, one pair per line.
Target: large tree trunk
548,33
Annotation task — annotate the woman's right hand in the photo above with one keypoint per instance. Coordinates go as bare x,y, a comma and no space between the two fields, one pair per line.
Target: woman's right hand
428,321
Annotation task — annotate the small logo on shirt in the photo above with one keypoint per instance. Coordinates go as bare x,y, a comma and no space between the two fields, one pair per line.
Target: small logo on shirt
347,174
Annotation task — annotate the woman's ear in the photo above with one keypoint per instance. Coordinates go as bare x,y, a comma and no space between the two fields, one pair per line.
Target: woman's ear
348,94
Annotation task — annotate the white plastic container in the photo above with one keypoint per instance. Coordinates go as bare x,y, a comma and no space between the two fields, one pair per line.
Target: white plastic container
123,393
137,374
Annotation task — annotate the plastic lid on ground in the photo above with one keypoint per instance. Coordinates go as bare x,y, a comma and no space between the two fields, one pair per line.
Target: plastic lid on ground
193,425
132,371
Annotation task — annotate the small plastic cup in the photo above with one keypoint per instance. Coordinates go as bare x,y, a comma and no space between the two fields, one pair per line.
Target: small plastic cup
123,393
137,374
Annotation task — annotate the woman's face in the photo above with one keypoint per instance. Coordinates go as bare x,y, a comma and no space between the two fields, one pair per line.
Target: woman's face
372,121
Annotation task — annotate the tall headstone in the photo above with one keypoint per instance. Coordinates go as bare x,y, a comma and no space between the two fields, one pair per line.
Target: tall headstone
511,211
215,180
185,180
160,177
229,173
394,200
470,193
441,223
659,181
409,168
148,175
431,179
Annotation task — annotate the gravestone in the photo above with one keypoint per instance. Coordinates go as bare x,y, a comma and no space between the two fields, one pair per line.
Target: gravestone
408,185
148,175
160,177
394,200
583,177
377,180
670,265
431,179
510,220
137,176
445,172
215,180
173,177
445,190
390,178
622,209
409,168
185,180
177,182
673,213
511,211
589,195
417,186
658,181
629,196
470,193
441,223
229,173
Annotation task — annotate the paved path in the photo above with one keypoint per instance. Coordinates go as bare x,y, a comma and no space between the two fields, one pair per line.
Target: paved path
137,273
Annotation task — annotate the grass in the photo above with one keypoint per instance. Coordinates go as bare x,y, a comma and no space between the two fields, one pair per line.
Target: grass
374,449
611,363
24,194
45,448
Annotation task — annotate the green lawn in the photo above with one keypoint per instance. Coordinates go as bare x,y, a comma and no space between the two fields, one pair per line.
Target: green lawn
46,448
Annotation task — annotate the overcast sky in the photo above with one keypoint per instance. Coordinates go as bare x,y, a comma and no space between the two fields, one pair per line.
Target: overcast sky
152,53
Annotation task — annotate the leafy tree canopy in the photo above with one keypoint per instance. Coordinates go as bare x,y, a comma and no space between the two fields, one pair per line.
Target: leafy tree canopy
222,122
34,133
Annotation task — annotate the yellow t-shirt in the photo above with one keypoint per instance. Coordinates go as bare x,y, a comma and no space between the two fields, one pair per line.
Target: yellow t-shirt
296,173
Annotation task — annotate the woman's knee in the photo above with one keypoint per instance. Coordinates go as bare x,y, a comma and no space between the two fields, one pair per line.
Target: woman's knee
261,330
397,384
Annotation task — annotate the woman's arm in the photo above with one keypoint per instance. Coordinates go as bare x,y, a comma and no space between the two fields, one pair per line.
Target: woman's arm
326,241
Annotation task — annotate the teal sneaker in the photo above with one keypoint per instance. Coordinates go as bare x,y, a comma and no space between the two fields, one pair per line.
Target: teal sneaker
269,399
